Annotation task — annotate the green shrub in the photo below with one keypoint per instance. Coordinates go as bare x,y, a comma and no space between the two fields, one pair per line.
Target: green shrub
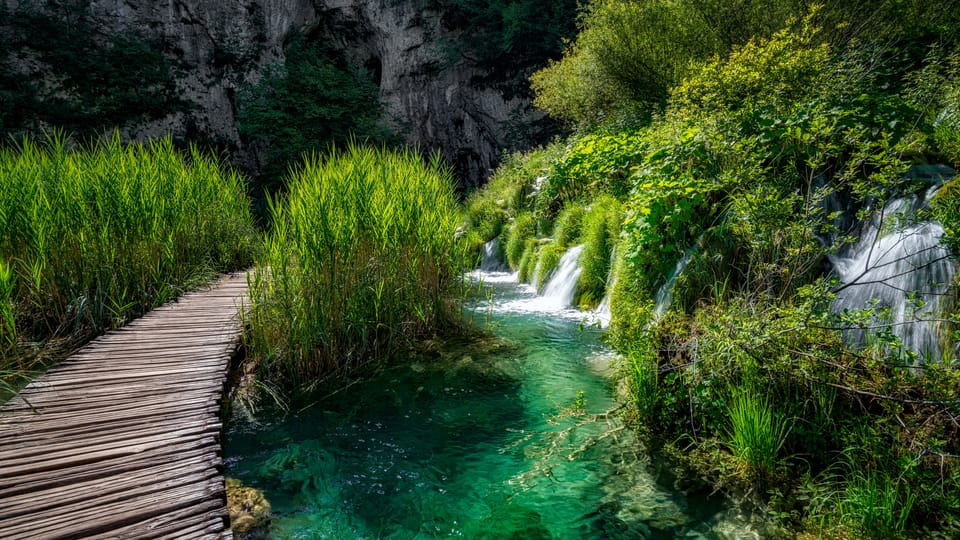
523,228
629,54
546,263
77,78
601,232
90,238
361,260
592,165
783,69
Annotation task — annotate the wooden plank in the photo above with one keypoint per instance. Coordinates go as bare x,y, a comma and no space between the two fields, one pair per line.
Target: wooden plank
126,391
107,368
40,500
82,523
62,398
122,440
38,438
64,455
182,525
32,482
138,383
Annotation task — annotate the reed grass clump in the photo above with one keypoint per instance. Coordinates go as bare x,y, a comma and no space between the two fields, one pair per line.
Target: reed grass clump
566,232
92,237
361,260
524,227
528,261
757,432
876,506
547,262
600,234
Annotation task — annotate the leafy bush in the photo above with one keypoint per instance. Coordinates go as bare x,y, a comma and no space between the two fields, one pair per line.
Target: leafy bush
361,260
90,238
592,165
499,29
630,54
946,210
783,69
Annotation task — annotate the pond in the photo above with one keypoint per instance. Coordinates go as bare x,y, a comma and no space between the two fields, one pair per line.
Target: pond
499,439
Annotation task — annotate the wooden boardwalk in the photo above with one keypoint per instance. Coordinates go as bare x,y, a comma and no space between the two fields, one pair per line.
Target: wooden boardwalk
122,439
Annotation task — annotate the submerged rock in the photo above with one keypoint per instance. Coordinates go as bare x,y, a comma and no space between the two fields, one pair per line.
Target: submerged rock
249,510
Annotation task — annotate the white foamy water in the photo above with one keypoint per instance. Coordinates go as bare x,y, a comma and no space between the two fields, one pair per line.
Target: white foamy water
901,268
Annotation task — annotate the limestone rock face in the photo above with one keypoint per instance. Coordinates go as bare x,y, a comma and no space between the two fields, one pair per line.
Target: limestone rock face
433,95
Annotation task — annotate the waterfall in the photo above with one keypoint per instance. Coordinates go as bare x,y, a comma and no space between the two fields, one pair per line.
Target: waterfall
562,285
665,293
602,312
900,266
490,259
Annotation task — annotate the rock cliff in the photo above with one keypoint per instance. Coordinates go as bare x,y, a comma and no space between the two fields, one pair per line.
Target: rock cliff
434,95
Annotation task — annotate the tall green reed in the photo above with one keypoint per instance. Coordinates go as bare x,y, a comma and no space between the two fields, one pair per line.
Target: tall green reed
91,237
361,259
757,431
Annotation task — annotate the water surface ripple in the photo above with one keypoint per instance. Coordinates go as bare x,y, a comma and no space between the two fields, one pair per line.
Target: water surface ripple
488,443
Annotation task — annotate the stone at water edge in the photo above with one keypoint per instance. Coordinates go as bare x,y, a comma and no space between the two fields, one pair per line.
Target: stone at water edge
249,509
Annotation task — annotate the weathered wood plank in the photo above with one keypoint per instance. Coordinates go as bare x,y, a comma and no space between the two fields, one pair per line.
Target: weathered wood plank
122,440
37,481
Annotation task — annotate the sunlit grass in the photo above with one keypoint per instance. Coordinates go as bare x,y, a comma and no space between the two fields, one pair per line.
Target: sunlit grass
92,237
757,431
361,259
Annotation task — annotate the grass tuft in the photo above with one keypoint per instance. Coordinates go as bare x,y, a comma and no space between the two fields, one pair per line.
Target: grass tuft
757,432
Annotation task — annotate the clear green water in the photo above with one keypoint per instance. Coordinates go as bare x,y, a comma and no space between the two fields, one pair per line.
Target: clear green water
475,444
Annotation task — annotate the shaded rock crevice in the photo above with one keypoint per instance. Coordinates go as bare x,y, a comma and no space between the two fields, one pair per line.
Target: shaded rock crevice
434,94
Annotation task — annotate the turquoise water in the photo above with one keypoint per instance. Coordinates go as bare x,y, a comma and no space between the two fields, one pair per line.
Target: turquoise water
489,442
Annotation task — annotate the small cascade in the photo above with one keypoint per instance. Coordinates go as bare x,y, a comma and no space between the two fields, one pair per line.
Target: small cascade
602,313
490,259
665,293
900,266
562,285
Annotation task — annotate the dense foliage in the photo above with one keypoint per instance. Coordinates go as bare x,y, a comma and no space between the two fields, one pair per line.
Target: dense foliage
506,30
360,260
79,80
315,99
740,147
91,238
